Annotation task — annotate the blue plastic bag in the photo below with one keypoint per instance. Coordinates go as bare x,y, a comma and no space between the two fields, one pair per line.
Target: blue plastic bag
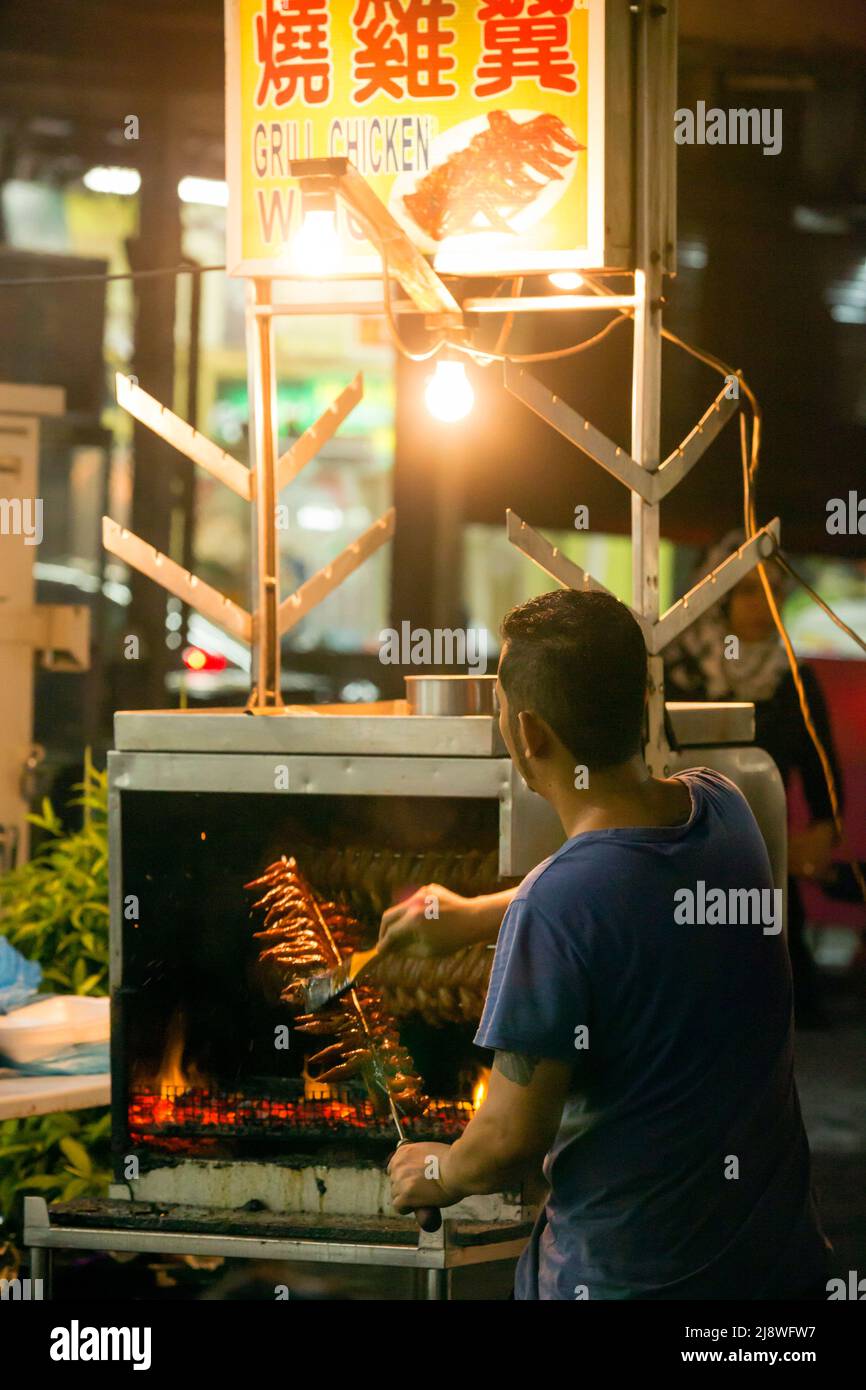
81,1059
19,978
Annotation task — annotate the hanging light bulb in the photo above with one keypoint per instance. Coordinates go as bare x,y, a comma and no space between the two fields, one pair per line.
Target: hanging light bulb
566,279
449,393
316,246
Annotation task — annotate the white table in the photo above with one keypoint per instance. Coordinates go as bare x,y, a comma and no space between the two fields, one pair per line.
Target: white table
40,1095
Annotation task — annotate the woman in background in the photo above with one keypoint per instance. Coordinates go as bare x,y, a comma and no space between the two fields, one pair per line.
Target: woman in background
697,668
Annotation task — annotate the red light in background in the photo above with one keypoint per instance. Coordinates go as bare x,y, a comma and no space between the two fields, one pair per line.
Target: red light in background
196,659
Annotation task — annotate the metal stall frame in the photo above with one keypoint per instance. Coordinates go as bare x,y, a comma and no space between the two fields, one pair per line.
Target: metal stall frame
434,1256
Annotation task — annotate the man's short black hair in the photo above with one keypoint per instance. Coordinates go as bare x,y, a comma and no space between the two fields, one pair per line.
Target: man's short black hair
579,661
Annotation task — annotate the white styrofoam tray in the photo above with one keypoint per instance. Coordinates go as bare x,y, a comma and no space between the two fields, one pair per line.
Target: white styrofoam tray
41,1029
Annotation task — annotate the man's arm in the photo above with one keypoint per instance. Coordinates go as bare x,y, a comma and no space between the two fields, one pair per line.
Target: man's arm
435,921
515,1126
504,1140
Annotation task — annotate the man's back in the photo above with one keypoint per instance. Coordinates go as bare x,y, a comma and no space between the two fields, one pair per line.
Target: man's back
681,1168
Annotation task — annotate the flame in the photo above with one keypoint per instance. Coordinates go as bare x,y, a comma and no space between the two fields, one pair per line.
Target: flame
171,1077
315,1090
479,1090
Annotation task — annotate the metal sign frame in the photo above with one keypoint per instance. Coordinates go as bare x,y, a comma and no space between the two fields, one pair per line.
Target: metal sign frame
644,38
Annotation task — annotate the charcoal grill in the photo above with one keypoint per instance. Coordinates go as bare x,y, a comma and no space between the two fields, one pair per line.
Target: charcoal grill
212,1118
199,805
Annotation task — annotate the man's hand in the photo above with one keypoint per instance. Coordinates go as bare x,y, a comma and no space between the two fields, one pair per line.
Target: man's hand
415,1182
434,921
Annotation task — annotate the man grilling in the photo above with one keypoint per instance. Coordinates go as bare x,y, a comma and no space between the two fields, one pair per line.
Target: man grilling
650,1061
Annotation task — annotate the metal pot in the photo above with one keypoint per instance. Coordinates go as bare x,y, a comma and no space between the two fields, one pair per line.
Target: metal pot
451,694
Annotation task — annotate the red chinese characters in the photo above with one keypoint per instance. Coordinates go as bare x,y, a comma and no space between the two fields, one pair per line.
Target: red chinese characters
401,48
523,40
292,51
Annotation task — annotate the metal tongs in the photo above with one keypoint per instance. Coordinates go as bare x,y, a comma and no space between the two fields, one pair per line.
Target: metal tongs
321,990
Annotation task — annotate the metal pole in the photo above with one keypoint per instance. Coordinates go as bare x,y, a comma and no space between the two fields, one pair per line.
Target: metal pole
265,694
646,370
438,1283
158,242
42,1267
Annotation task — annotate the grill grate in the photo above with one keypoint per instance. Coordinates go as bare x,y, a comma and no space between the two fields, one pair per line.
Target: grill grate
196,1112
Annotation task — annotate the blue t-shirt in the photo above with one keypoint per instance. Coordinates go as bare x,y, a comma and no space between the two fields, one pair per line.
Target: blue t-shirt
681,1166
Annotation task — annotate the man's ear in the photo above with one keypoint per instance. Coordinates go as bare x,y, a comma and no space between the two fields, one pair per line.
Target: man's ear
534,733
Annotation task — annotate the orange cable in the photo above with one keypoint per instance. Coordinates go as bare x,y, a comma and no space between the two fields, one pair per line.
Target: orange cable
750,447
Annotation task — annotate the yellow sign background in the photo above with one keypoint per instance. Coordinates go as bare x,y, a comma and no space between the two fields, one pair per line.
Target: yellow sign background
264,202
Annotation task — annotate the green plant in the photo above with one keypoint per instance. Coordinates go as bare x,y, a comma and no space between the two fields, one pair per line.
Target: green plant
57,1156
54,908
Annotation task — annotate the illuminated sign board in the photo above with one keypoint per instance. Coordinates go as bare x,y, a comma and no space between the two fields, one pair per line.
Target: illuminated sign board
479,123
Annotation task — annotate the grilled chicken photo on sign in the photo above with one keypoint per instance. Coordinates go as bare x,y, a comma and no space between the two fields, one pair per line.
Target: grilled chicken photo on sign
499,173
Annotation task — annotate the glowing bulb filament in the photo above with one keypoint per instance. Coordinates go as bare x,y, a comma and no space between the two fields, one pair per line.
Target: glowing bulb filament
449,393
316,246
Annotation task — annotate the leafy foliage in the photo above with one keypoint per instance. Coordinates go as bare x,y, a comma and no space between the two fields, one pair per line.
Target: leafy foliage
54,909
57,1156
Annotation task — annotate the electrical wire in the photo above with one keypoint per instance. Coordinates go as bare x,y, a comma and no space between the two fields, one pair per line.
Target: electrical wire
396,337
505,331
473,350
25,281
783,560
750,444
555,354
